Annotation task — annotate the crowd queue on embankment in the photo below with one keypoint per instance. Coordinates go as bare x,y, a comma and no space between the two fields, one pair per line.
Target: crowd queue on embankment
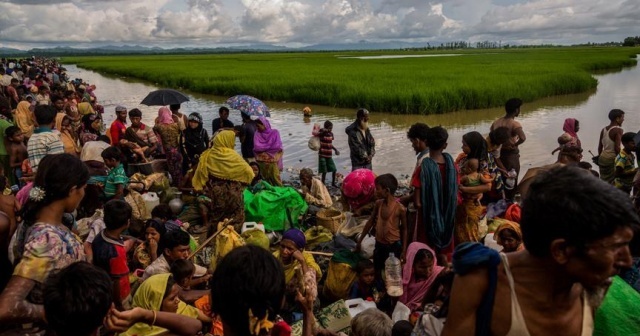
86,248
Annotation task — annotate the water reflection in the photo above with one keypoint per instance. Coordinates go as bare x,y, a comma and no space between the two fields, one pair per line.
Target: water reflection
542,120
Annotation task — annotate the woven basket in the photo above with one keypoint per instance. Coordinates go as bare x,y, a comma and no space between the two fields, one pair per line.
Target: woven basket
331,219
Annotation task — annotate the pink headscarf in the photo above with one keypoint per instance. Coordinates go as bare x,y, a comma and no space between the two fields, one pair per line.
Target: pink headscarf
414,291
165,116
570,128
268,140
358,187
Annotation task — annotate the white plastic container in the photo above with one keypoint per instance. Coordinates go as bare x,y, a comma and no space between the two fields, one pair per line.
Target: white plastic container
393,272
357,306
151,200
252,225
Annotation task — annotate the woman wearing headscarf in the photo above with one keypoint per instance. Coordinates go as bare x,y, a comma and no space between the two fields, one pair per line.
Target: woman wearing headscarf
358,189
68,138
169,133
570,136
418,274
300,268
91,126
196,139
160,293
469,210
223,175
267,147
85,108
23,118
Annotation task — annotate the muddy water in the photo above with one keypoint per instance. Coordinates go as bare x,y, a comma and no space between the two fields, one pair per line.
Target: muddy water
542,120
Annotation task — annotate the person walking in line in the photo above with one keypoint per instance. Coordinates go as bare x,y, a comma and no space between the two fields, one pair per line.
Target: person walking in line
361,143
510,154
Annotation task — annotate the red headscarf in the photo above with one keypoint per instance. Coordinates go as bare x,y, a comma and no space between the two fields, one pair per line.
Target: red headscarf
570,128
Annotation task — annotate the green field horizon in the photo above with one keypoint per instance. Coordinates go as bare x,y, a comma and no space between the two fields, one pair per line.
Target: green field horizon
476,79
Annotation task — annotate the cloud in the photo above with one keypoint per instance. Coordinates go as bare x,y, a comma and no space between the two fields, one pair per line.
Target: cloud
299,22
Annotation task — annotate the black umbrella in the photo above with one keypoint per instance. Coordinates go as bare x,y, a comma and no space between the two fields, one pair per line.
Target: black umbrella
164,97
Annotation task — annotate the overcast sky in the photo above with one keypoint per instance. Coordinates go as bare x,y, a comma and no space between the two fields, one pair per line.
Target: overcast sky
170,23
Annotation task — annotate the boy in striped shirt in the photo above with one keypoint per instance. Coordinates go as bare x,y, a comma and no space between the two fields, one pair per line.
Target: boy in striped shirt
325,160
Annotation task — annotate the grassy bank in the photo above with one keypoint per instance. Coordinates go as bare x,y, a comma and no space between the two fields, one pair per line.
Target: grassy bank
475,79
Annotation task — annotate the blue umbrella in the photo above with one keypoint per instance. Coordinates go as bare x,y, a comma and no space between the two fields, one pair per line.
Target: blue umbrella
249,105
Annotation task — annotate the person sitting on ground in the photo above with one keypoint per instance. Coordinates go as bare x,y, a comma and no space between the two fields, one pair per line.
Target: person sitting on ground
389,218
116,179
42,243
78,301
256,172
110,252
626,164
67,135
419,273
43,141
366,286
141,139
91,127
576,231
91,155
222,122
371,322
247,292
509,236
175,245
298,265
160,293
150,250
182,271
315,193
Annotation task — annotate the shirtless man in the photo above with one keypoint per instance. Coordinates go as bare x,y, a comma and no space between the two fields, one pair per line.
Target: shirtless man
574,243
609,145
510,154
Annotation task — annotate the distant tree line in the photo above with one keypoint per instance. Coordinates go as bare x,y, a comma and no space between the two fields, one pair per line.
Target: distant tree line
631,41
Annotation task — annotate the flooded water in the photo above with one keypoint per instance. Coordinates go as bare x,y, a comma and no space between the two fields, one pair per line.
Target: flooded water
542,120
399,56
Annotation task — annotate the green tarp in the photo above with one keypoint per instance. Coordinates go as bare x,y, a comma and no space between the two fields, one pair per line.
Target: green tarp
278,208
619,314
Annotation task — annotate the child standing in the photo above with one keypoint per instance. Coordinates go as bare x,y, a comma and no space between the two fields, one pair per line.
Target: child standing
116,179
109,251
390,220
325,160
17,153
626,164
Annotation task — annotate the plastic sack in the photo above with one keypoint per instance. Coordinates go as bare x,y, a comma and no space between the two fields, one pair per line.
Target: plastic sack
367,246
225,242
340,275
400,313
357,306
317,235
314,143
256,237
278,208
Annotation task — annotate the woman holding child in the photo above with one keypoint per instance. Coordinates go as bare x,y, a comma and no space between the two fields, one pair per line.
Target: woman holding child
43,244
473,183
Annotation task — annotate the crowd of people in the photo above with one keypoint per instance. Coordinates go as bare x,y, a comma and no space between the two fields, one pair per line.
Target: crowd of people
483,250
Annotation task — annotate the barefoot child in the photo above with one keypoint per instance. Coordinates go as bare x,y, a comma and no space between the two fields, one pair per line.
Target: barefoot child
325,160
390,220
17,152
471,177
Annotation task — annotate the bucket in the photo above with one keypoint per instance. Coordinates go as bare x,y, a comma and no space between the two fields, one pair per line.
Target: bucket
251,226
331,219
151,200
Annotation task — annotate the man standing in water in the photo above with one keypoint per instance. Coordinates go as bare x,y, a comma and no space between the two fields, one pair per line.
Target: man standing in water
510,154
361,142
609,145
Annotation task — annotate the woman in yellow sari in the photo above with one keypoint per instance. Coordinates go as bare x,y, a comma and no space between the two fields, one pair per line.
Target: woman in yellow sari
69,141
160,293
23,118
223,174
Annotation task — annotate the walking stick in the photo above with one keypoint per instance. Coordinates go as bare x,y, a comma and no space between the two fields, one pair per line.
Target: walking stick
206,242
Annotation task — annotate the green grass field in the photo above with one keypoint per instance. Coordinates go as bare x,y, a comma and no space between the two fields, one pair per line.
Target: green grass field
477,79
